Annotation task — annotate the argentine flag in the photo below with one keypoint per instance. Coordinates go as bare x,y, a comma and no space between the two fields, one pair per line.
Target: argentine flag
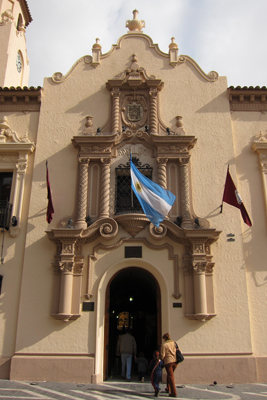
155,201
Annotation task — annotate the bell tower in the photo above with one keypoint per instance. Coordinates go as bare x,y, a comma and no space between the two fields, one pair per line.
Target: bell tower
14,64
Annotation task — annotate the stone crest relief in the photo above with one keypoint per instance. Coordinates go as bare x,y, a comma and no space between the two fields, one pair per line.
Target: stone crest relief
134,111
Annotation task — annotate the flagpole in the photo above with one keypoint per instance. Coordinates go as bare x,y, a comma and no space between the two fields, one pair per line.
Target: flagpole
50,208
224,186
131,182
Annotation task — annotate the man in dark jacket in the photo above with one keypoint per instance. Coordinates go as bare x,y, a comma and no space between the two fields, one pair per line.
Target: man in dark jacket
126,349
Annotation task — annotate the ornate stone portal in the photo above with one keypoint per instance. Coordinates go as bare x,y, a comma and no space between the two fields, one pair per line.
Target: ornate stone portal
135,120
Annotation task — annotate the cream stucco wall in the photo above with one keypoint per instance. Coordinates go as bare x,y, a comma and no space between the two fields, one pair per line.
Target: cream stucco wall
205,110
238,329
246,128
13,247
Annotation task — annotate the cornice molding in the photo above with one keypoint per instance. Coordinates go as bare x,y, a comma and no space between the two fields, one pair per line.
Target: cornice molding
26,11
247,99
98,146
20,99
107,228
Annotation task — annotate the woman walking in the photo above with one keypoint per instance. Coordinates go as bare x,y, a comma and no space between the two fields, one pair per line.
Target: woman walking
168,356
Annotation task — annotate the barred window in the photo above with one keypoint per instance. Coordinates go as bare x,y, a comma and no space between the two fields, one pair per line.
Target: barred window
5,206
5,185
126,200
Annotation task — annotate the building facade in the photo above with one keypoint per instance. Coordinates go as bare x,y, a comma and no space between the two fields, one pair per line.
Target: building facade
68,287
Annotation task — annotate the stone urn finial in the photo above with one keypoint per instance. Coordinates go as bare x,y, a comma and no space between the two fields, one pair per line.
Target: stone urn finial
173,45
97,45
180,126
88,125
96,53
135,25
173,51
179,121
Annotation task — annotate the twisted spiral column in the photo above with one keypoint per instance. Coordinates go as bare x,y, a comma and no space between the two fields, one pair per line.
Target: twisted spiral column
162,175
115,110
185,194
82,193
153,110
105,188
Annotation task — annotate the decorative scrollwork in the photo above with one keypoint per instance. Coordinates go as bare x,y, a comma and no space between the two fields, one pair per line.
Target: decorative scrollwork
57,77
109,229
211,76
157,232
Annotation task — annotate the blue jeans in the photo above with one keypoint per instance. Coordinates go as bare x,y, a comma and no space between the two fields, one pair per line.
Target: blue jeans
126,361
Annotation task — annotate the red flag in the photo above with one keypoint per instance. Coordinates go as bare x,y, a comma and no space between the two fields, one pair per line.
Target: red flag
232,197
50,208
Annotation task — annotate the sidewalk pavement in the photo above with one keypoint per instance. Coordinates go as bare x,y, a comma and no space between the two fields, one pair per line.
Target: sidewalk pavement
118,389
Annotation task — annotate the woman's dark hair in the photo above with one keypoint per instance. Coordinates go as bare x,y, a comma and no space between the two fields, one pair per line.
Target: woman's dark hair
166,336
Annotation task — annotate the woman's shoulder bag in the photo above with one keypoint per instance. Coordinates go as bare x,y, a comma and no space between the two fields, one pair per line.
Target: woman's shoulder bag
179,356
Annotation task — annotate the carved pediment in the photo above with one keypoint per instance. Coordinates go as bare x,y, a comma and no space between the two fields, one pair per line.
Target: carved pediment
134,77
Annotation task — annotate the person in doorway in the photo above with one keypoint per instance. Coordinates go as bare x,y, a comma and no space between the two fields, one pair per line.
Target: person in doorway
142,365
168,356
126,349
155,367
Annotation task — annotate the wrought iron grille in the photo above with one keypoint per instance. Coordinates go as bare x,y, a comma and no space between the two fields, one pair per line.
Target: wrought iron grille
5,214
126,200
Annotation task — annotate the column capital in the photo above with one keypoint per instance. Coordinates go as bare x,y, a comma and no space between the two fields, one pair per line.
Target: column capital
116,92
184,160
106,161
161,160
153,92
199,266
84,160
66,266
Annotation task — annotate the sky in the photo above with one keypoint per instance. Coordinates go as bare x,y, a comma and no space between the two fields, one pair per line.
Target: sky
226,36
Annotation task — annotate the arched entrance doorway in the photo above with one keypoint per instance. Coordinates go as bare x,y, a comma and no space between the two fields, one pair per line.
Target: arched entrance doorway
132,298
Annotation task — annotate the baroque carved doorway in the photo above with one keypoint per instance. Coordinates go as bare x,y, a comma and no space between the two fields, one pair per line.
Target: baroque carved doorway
132,299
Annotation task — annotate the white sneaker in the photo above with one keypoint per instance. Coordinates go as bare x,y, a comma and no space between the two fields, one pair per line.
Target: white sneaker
143,380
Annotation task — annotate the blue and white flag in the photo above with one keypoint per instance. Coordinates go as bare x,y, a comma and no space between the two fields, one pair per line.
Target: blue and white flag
155,201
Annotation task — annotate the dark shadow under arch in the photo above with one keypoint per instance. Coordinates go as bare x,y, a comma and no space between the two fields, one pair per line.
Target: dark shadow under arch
145,313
